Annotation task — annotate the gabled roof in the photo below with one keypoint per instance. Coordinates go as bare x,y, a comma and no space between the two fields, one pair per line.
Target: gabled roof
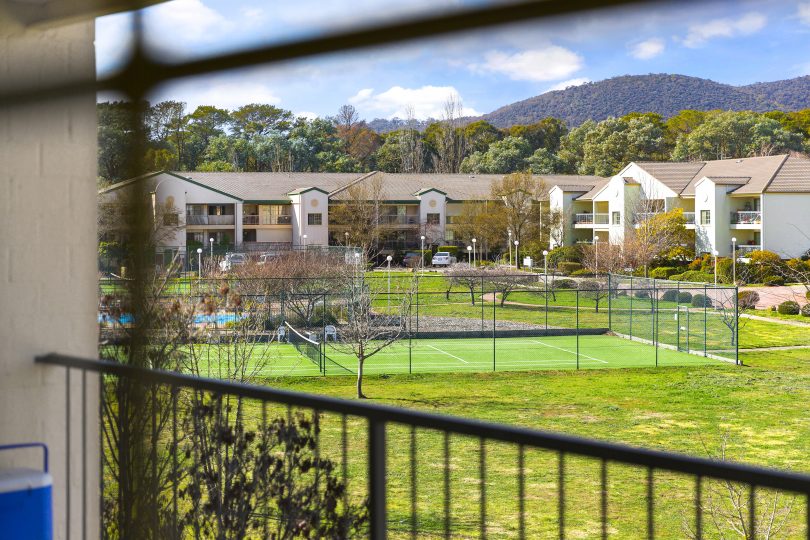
264,186
301,191
759,169
792,177
595,190
675,175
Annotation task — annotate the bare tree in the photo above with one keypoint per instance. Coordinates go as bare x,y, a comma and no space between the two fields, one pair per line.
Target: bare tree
451,143
654,234
603,258
358,212
465,276
727,505
596,290
412,149
364,329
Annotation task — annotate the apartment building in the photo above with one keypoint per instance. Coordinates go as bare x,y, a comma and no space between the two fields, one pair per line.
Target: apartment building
761,202
267,211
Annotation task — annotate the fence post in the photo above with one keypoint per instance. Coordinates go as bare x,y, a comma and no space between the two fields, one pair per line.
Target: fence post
705,320
417,302
656,321
736,335
610,306
493,332
678,316
632,294
482,305
376,475
577,310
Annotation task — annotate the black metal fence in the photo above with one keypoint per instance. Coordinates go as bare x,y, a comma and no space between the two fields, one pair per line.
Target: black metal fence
326,467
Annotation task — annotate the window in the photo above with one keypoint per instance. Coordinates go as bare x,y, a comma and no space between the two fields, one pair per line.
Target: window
617,218
705,217
314,219
433,219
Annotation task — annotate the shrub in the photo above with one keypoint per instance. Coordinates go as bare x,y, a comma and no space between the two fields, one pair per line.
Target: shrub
582,272
694,276
788,307
806,310
700,300
642,294
725,270
663,272
670,295
564,284
452,250
684,297
564,254
764,264
773,281
696,264
568,267
807,295
747,299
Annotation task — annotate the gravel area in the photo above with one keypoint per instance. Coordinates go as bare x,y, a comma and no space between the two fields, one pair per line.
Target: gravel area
454,324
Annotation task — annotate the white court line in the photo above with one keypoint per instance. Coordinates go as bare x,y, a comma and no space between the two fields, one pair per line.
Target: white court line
447,353
566,350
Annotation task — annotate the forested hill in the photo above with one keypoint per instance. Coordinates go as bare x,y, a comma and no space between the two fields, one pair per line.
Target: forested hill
661,93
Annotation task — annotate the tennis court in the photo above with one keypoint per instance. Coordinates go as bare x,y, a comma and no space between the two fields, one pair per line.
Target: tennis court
480,354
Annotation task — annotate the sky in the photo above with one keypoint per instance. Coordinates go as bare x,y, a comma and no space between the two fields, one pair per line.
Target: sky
735,42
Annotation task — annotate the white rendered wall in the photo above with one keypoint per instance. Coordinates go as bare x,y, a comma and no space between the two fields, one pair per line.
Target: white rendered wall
312,201
786,223
717,235
432,202
48,261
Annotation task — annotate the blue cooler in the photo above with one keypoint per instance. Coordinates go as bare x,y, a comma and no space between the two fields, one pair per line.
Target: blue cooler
25,500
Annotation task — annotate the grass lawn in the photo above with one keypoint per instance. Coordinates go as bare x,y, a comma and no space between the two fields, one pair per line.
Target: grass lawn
761,408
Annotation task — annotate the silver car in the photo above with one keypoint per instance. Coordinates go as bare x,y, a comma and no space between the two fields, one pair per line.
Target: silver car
442,258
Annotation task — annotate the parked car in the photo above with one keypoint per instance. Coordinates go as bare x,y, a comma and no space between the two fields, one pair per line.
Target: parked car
265,257
443,258
231,260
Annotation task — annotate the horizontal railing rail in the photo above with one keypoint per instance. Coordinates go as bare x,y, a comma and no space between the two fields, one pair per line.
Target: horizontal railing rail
746,217
690,218
590,219
379,417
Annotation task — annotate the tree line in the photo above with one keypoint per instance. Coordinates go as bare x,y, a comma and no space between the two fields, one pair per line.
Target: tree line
262,137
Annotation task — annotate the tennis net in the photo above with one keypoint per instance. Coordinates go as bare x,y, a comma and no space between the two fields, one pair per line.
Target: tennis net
307,347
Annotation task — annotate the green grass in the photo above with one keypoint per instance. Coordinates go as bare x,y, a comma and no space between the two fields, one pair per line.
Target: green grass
477,355
761,408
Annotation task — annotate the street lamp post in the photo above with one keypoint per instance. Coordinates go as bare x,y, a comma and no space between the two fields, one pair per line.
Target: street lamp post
389,259
715,253
517,258
422,252
509,245
305,240
469,255
346,243
211,241
596,254
474,259
199,263
734,260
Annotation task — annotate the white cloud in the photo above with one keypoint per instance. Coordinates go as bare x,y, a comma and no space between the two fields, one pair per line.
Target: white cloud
748,24
569,83
546,64
803,12
426,102
227,94
183,23
649,48
309,115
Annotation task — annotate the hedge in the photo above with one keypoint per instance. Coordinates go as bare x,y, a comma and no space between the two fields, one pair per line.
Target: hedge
684,297
747,299
789,307
694,276
670,295
773,281
564,284
664,272
700,300
582,272
568,267
806,310
452,250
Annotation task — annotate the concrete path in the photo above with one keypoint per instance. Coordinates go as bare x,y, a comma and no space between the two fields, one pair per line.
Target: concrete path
773,296
782,348
777,321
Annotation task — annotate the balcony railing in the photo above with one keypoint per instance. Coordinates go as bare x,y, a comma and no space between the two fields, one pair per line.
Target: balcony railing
221,220
746,217
591,219
690,218
196,219
746,249
164,413
399,220
266,220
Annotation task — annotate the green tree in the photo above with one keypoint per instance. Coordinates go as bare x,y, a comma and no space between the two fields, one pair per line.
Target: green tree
480,135
260,119
506,156
614,142
547,133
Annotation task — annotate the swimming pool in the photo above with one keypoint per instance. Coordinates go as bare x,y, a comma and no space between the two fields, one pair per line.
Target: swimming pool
219,319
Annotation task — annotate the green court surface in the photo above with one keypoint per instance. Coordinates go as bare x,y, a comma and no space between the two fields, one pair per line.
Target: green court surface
479,354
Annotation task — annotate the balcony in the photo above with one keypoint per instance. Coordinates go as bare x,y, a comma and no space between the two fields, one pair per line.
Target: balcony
746,249
746,217
221,220
591,219
256,219
399,220
168,413
690,218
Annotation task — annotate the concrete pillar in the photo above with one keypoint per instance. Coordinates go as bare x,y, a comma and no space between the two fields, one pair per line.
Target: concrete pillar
48,262
238,224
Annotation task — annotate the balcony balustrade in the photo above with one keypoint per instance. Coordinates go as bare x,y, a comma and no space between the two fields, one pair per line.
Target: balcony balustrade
746,249
591,219
746,217
690,218
256,219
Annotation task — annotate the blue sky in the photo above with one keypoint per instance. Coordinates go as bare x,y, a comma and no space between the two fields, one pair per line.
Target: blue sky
735,42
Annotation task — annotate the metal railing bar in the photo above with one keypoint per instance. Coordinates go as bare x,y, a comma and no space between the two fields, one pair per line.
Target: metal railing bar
752,511
482,475
603,499
67,454
650,504
521,492
414,487
736,472
377,479
447,527
175,465
561,494
143,72
698,508
84,453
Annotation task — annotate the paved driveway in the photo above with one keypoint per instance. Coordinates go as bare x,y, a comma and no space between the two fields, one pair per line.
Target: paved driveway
772,296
